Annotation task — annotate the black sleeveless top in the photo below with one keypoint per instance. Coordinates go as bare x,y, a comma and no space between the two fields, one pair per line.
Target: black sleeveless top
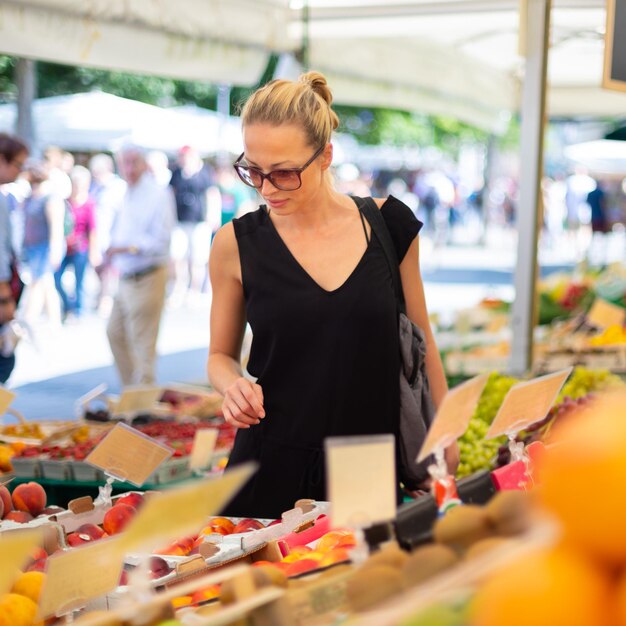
328,361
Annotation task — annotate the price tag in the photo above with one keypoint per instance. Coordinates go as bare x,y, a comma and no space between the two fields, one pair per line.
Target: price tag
453,415
6,397
604,314
137,398
177,512
127,454
76,576
15,549
203,447
527,403
81,403
361,474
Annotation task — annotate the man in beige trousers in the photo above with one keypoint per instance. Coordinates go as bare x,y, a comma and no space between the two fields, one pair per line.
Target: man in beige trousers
139,250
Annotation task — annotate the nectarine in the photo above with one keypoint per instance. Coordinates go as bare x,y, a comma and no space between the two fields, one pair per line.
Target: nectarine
301,566
132,499
219,526
92,530
117,518
247,525
5,496
21,517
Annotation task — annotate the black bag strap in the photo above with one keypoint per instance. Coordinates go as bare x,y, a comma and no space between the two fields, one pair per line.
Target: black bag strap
370,210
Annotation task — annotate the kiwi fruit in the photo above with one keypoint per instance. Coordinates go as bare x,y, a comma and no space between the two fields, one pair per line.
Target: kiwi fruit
485,545
509,512
390,554
372,585
426,562
462,526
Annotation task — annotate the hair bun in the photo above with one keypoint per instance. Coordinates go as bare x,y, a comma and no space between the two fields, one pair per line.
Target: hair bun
319,85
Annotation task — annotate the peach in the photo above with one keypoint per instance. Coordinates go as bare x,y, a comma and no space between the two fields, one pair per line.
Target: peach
94,531
300,567
5,496
117,518
180,547
247,525
159,567
53,510
132,499
219,526
30,498
21,517
300,551
38,553
78,539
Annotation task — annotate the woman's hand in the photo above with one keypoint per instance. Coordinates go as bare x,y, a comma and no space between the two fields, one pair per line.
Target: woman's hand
243,403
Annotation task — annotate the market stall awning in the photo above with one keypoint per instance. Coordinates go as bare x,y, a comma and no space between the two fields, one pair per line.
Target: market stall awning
218,40
101,121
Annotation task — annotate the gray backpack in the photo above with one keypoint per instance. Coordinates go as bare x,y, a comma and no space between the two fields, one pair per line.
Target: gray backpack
416,407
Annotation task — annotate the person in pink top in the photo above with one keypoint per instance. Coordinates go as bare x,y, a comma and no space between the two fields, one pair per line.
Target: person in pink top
81,242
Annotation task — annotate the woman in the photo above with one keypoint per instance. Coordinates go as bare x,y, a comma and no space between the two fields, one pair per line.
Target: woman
43,245
316,289
81,243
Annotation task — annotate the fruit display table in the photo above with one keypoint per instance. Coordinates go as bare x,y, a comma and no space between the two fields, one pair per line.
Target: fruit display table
61,492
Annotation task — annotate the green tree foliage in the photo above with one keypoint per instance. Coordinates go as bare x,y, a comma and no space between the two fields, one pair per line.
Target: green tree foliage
373,126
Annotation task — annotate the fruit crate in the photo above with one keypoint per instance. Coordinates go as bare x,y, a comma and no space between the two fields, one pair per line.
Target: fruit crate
26,467
56,469
172,470
84,472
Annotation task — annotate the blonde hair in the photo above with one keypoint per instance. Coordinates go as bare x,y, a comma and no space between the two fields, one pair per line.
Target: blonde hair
305,103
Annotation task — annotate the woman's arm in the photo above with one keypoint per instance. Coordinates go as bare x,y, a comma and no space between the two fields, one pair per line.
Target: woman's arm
243,399
417,312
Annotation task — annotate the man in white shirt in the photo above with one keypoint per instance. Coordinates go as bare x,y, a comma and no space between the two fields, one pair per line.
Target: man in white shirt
139,250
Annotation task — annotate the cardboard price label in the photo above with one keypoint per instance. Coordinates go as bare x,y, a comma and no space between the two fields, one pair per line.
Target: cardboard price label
453,415
203,447
138,398
76,576
127,454
527,403
177,512
604,314
6,397
361,474
15,549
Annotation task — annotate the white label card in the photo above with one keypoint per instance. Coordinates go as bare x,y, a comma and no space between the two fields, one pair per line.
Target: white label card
361,474
453,415
203,447
527,403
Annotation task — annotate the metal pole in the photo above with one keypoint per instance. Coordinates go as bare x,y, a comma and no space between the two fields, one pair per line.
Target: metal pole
536,32
26,79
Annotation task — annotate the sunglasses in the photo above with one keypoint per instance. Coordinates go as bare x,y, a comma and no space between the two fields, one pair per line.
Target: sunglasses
284,179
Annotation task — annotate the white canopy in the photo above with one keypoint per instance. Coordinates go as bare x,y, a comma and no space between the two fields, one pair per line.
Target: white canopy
101,121
455,57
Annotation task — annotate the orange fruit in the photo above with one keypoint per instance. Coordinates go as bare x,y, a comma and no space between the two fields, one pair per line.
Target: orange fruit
544,588
29,584
582,479
16,610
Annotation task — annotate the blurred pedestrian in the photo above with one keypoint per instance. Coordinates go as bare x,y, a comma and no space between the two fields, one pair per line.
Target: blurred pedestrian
159,167
81,245
191,182
139,249
43,246
13,154
107,190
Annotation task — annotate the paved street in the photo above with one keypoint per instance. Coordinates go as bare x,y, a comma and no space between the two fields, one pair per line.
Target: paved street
61,364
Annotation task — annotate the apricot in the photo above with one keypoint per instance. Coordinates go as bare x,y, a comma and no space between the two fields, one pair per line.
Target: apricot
219,526
5,496
30,498
16,610
117,518
29,584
